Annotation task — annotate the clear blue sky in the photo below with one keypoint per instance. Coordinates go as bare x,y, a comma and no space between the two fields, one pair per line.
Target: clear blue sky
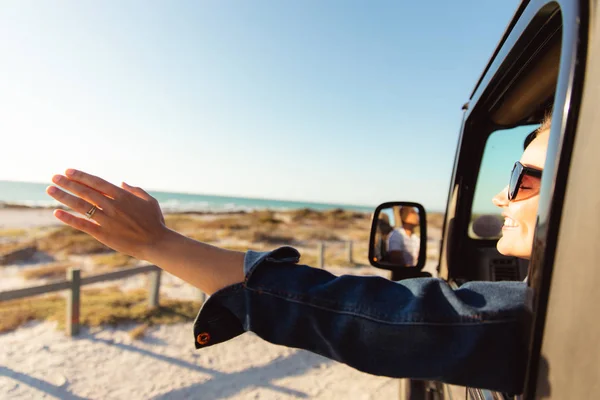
335,101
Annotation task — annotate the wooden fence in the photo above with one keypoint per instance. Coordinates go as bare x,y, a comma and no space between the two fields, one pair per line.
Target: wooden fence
321,253
73,284
74,281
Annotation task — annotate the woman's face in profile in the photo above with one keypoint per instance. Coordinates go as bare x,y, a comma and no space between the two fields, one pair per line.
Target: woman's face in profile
520,214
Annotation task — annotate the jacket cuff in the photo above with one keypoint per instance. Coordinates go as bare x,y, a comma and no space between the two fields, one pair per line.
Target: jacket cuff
220,317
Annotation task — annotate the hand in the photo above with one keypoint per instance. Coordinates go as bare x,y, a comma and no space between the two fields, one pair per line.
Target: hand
127,219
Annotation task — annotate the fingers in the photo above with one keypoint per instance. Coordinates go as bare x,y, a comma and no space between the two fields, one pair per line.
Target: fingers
139,192
94,182
78,223
73,202
85,192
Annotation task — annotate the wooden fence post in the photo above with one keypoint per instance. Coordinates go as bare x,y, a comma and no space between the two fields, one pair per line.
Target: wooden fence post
349,251
73,302
321,255
154,288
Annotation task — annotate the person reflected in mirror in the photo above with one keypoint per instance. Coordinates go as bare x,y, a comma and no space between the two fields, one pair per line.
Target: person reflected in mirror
409,241
391,244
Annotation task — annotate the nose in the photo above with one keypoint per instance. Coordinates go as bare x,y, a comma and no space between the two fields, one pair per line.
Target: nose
501,199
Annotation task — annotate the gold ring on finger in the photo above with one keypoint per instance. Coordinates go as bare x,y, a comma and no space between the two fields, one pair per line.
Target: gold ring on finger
91,212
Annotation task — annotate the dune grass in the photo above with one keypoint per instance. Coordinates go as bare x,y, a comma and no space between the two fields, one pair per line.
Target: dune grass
259,230
6,248
13,233
106,306
55,270
114,260
69,241
139,331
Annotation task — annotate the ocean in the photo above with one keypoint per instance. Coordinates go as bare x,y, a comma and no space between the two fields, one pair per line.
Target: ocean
34,195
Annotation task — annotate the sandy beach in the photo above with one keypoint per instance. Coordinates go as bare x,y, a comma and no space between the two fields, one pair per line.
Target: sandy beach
27,218
37,360
40,362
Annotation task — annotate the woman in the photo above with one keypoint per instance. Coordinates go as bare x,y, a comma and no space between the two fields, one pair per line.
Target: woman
416,328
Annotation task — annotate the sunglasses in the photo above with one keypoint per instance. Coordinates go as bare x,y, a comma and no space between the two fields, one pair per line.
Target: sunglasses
518,175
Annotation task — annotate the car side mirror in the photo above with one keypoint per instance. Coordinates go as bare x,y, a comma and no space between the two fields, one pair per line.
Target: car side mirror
398,240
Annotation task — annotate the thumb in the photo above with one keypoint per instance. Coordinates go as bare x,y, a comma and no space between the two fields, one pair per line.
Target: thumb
139,192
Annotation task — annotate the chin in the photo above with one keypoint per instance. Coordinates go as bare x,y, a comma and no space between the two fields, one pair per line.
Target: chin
502,248
506,248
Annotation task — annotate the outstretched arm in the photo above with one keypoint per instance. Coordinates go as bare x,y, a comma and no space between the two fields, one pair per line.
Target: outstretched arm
420,328
130,221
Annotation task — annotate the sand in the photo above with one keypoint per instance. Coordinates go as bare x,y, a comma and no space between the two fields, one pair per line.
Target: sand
27,218
38,361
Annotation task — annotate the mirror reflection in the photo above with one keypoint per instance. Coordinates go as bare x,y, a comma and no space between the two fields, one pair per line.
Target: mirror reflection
397,240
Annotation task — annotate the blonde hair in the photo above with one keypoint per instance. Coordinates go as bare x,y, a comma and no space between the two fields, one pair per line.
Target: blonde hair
544,127
546,123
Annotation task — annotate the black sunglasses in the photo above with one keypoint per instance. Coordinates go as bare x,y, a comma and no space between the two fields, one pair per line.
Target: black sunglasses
516,178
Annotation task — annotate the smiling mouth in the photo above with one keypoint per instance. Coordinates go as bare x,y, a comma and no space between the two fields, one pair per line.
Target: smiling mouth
510,223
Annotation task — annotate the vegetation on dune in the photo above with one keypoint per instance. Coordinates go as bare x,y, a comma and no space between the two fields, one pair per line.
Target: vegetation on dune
139,331
9,247
55,270
435,220
13,233
114,260
69,241
258,230
106,306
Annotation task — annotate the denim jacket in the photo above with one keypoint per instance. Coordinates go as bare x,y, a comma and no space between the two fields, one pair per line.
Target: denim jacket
416,328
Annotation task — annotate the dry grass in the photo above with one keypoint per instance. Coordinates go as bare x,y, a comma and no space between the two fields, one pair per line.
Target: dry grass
305,214
260,230
328,217
263,230
107,306
66,240
269,236
266,227
139,331
114,260
317,234
55,270
243,248
435,220
258,236
264,217
16,313
182,222
227,222
11,253
6,248
13,232
204,235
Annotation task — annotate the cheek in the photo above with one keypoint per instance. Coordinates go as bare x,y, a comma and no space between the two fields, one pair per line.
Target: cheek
518,242
527,215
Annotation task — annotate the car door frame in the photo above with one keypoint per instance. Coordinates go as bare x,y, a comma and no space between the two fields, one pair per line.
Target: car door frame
567,98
